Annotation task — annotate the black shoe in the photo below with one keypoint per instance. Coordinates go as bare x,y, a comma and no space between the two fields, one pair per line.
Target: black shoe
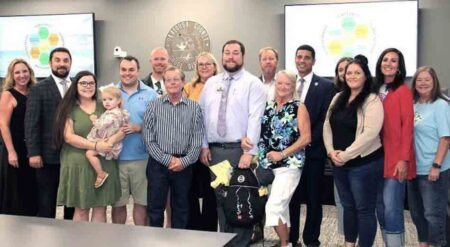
297,244
258,234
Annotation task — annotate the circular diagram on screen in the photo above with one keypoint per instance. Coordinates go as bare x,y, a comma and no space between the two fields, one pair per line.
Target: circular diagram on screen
348,35
184,42
40,42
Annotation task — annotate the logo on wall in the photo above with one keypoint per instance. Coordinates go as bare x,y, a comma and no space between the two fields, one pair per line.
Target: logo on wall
349,35
40,42
184,42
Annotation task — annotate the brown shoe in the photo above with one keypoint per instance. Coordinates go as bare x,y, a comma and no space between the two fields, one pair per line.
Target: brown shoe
100,180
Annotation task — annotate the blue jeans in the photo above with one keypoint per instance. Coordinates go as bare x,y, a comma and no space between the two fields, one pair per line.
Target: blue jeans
357,188
428,207
390,204
160,179
340,211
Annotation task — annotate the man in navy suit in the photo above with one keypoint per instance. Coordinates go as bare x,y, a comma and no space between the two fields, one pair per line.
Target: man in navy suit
42,103
316,93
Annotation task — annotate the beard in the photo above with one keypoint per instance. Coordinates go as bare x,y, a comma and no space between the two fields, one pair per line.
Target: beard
269,70
60,75
229,69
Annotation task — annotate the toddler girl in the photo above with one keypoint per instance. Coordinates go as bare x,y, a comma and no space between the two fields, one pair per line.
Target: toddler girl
109,123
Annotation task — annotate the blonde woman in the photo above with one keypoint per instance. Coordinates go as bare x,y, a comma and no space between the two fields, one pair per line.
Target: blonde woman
285,132
205,219
17,178
205,67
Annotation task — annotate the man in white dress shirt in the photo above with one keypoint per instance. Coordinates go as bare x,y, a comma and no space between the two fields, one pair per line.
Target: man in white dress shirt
232,104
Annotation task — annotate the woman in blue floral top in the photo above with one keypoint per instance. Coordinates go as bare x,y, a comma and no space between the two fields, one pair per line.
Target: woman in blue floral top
285,131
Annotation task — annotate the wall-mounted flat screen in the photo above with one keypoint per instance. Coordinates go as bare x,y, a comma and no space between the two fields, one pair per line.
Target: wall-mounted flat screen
348,29
33,37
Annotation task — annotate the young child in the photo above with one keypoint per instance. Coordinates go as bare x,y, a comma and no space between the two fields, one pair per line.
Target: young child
104,127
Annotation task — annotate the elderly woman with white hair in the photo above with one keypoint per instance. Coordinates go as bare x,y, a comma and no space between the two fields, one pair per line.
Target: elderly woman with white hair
285,132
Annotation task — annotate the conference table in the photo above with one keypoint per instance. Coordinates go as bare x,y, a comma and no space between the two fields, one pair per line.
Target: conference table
20,231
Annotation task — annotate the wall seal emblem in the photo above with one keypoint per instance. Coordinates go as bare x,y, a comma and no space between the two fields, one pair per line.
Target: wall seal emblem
184,41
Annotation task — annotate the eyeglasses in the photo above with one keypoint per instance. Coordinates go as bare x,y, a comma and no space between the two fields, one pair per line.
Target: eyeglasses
204,65
172,79
87,83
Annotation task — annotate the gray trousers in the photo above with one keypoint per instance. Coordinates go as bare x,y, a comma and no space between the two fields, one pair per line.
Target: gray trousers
233,155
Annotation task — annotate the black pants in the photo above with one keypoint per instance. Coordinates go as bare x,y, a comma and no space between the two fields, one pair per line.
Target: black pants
310,187
47,179
160,179
204,218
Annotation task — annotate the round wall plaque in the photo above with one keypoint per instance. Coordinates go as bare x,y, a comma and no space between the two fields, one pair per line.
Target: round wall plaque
184,42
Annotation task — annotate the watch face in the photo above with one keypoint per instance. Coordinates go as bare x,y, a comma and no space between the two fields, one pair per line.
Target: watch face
184,42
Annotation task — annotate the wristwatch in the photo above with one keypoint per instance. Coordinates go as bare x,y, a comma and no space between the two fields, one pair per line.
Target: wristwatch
436,165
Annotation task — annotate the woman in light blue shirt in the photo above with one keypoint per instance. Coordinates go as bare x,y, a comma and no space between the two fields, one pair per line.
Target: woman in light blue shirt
427,193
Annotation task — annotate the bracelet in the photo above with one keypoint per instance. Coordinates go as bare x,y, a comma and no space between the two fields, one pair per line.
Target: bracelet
283,155
95,146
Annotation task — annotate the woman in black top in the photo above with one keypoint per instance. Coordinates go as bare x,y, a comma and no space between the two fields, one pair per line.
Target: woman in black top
18,194
351,137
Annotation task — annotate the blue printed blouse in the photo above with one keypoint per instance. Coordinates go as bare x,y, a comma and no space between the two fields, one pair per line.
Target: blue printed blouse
279,130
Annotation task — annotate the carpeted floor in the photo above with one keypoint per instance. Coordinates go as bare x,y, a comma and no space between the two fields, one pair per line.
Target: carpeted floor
329,236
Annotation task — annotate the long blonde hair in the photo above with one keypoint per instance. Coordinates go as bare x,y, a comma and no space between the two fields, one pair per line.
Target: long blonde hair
9,82
196,79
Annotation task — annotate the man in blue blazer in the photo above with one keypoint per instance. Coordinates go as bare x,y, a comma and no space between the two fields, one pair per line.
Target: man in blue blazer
316,93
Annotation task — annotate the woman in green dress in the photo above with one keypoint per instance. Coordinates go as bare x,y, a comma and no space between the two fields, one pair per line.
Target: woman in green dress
75,116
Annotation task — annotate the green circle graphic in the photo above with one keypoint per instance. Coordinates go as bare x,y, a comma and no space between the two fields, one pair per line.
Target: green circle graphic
44,58
348,23
43,32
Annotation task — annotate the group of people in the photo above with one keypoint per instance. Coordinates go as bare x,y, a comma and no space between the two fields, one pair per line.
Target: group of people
154,139
384,141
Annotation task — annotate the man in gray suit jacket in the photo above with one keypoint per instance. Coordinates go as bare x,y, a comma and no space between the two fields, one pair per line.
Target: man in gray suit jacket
43,100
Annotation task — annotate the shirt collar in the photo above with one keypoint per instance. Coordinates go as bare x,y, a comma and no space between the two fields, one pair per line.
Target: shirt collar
59,80
307,78
267,82
140,86
154,80
236,75
165,99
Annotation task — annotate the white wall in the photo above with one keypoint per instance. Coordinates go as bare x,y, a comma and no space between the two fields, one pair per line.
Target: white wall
139,25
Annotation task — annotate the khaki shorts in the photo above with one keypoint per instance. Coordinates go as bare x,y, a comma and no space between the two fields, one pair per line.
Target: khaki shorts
133,180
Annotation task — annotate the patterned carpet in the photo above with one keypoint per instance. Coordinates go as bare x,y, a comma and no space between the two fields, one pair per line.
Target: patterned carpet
329,236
